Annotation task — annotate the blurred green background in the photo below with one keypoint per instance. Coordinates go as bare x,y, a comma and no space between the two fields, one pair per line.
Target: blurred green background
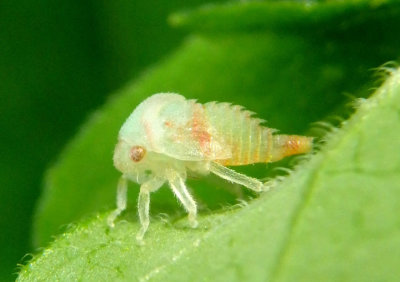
58,61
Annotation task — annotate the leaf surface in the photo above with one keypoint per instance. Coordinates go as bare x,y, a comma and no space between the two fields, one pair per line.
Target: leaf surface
332,213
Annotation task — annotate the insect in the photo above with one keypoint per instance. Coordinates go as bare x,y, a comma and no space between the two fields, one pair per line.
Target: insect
168,137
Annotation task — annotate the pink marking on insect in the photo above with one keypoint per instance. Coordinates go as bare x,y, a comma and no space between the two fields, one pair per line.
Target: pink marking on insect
168,124
199,130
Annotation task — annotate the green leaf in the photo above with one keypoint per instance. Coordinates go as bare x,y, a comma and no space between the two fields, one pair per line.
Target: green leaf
290,79
299,16
334,218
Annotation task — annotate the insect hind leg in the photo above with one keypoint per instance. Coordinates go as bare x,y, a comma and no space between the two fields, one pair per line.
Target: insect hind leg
179,188
233,176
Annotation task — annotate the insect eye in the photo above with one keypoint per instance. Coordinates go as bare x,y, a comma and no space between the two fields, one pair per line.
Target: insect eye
137,153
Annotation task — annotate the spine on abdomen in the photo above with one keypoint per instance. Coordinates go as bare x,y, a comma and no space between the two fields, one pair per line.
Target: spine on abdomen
248,140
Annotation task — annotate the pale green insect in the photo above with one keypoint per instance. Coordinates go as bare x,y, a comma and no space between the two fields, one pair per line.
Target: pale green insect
168,137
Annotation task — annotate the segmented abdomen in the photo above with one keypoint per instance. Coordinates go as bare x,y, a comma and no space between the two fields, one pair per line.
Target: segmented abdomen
248,140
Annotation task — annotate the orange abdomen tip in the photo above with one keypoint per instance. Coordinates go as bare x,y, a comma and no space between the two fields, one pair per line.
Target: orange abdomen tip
287,145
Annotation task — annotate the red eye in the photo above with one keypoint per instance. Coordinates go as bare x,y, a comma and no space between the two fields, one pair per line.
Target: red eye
137,153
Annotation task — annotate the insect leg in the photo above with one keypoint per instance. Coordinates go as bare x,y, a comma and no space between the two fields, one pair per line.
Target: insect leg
121,200
178,187
144,205
233,176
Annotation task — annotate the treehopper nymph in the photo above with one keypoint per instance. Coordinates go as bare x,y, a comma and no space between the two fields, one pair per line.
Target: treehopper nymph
168,137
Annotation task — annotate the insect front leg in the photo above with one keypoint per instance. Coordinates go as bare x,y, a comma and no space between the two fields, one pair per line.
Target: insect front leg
233,176
121,200
144,205
179,188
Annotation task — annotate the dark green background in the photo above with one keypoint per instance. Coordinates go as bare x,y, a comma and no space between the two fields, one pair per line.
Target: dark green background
58,61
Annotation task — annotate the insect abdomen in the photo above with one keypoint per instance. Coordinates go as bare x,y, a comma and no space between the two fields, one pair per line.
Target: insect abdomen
249,141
